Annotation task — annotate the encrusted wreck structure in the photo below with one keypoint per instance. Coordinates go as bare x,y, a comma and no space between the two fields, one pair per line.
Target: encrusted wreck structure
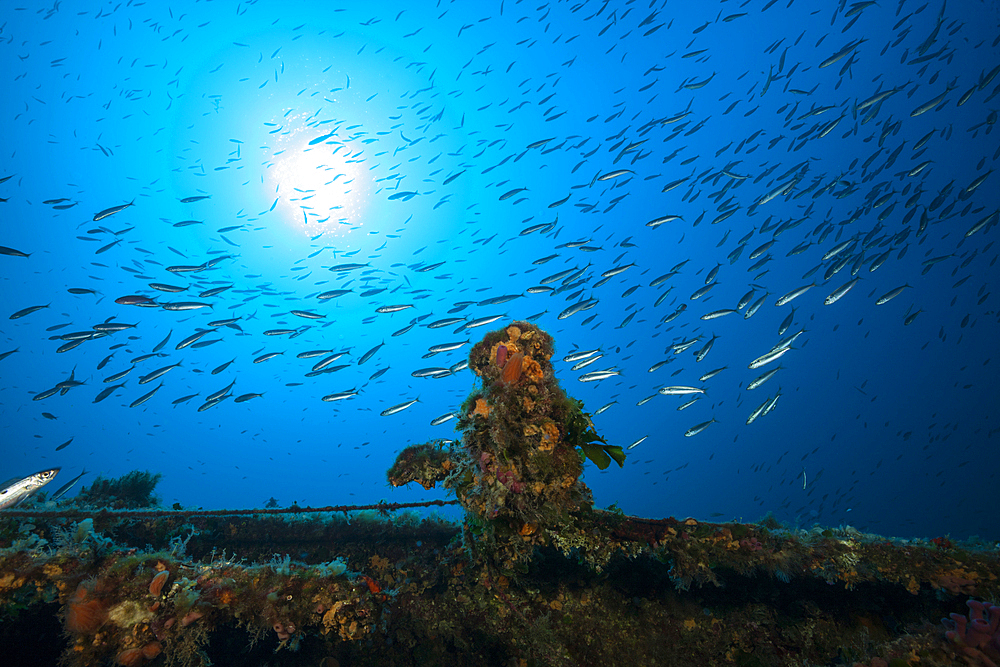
517,468
533,574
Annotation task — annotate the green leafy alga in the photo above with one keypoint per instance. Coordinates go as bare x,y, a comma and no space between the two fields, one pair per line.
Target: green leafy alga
580,433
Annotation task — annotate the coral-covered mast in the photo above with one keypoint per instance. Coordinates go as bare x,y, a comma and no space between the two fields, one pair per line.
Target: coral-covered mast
517,470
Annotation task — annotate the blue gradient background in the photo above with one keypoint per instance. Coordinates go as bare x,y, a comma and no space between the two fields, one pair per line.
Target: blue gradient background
894,426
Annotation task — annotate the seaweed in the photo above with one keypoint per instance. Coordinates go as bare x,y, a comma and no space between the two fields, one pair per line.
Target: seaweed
580,433
131,491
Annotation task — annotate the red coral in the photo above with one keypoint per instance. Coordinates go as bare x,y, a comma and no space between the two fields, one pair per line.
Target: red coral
942,543
375,589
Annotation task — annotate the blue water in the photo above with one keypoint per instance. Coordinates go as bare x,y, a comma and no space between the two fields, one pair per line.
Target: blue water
887,426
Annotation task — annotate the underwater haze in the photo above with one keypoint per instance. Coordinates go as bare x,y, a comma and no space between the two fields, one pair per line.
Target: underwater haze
686,196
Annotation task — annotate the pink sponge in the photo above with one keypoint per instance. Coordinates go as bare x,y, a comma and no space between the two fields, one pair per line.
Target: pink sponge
979,634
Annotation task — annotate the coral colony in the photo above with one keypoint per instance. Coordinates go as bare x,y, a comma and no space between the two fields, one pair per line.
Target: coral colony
533,574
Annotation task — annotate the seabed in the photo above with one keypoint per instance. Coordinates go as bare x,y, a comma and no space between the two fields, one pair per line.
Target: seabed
532,575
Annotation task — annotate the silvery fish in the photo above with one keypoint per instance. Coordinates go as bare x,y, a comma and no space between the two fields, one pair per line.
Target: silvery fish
16,491
62,490
397,408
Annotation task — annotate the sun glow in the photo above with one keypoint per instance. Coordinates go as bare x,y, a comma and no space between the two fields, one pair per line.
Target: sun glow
314,176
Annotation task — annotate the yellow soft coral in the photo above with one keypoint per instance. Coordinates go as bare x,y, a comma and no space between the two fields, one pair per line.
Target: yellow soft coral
481,408
531,368
550,437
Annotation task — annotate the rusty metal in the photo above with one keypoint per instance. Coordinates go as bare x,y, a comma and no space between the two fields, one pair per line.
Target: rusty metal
155,514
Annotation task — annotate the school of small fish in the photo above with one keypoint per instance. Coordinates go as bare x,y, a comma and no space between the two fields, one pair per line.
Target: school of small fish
702,173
